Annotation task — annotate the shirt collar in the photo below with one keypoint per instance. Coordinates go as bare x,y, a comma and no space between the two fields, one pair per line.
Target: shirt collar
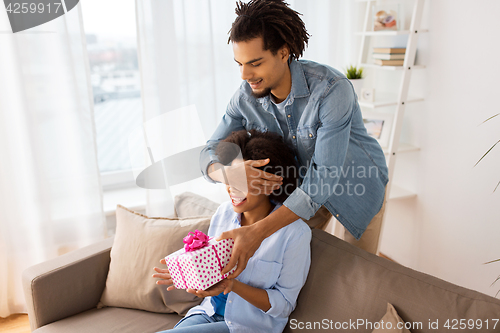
299,84
237,216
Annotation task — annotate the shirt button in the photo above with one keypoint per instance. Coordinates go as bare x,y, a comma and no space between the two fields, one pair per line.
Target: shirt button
229,322
230,301
288,116
310,135
293,137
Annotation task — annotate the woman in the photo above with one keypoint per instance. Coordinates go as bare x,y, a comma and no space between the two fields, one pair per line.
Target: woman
262,297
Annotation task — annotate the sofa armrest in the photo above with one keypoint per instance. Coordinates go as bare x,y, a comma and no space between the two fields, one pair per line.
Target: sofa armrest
66,285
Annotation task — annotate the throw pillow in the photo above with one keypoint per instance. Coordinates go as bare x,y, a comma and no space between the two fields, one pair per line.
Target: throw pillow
191,204
389,322
139,245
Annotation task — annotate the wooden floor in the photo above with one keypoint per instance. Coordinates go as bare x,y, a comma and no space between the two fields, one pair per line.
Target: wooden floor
17,323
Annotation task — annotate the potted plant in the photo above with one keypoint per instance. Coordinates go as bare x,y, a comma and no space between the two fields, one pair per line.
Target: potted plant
355,75
497,260
498,114
498,278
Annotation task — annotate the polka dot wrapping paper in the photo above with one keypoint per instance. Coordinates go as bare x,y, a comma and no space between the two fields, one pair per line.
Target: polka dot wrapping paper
200,269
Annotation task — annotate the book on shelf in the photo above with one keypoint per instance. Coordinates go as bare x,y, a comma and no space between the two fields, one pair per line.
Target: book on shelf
382,62
389,56
401,50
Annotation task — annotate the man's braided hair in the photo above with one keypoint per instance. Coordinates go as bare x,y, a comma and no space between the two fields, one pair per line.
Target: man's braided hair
274,21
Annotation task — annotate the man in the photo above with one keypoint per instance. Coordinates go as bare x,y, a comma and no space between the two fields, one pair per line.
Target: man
314,108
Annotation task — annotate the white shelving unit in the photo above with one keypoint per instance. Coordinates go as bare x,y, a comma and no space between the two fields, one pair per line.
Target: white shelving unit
390,68
403,148
387,99
385,33
401,193
398,99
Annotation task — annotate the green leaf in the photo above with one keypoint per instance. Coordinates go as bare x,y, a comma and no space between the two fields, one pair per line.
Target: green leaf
489,262
498,278
498,114
490,118
487,152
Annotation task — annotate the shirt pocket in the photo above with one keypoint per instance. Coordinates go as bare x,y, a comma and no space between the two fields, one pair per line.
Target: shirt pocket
307,137
248,125
265,274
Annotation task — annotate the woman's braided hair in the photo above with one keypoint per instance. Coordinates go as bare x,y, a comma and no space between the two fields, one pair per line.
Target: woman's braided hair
274,21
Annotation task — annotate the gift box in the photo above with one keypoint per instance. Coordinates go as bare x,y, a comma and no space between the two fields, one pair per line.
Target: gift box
199,264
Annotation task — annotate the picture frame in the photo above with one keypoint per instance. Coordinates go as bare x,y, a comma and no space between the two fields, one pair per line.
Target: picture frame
379,126
387,17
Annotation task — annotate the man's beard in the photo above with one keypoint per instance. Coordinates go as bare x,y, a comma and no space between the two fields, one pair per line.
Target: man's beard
261,94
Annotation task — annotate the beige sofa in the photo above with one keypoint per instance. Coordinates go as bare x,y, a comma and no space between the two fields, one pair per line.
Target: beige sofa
347,288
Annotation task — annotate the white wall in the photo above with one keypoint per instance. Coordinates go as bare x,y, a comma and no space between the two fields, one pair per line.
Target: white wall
453,226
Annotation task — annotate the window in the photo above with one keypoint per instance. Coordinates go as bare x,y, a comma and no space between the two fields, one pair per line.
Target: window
115,79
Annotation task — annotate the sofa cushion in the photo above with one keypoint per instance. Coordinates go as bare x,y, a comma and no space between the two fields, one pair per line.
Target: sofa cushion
112,320
190,204
390,321
139,245
347,284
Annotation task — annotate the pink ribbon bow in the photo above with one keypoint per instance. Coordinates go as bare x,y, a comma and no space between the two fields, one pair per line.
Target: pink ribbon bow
195,240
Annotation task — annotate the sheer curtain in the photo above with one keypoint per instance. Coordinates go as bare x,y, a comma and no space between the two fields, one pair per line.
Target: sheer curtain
50,196
185,63
331,25
185,60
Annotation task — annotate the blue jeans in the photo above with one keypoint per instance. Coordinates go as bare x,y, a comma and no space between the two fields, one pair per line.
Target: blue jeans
203,322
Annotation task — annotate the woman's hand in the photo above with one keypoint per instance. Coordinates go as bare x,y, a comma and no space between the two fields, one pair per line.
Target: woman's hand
164,274
225,286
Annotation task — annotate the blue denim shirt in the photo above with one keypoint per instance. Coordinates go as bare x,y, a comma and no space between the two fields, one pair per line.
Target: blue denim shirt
341,166
279,266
